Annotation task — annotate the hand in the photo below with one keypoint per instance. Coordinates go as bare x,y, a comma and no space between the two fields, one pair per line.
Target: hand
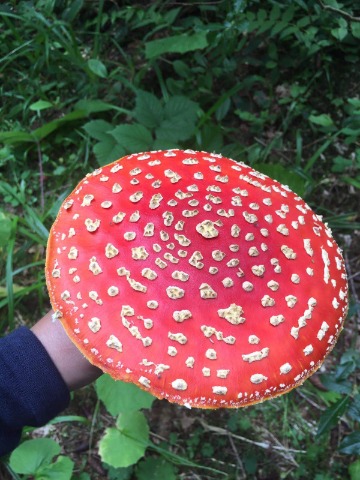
74,368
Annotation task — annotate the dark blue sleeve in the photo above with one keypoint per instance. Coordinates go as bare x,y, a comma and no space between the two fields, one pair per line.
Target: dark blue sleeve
32,391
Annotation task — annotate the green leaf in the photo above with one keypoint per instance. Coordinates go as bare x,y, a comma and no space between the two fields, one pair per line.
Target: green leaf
134,138
275,13
354,470
180,115
211,138
60,470
126,444
31,455
352,181
5,229
331,416
289,13
40,105
148,109
93,106
343,386
45,130
155,468
98,129
283,175
11,138
120,397
355,29
176,44
323,120
97,67
72,11
339,33
108,151
120,473
354,408
351,444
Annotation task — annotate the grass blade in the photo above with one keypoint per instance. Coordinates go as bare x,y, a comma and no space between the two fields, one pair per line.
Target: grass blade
9,273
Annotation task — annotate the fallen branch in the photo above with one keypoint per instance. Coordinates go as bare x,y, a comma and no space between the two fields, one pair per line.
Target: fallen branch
265,445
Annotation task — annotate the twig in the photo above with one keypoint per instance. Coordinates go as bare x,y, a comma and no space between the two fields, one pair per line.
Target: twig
346,15
265,445
238,459
286,450
307,399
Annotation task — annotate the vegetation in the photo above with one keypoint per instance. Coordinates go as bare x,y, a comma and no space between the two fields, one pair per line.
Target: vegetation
273,83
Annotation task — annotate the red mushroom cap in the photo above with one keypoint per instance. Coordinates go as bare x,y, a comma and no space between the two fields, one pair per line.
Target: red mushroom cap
196,277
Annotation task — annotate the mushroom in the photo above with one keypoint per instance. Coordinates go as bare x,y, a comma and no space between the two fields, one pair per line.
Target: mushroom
197,278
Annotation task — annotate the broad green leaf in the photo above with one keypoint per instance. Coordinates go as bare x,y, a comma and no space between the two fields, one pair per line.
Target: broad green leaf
330,417
278,27
60,470
339,33
108,151
126,444
275,13
355,29
97,67
223,109
288,15
351,444
31,455
120,473
261,15
121,397
354,470
148,109
155,468
211,139
324,120
303,22
134,138
180,115
176,44
165,144
40,105
98,129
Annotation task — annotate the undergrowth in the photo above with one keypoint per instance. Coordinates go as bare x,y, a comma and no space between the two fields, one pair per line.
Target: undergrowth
274,84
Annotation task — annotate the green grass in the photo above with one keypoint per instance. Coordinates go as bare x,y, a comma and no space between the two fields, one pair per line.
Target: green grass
274,84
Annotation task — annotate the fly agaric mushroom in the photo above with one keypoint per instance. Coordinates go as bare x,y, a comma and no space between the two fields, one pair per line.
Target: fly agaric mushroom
197,278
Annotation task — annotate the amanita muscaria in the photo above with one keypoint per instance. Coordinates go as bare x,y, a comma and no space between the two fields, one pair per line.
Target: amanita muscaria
197,278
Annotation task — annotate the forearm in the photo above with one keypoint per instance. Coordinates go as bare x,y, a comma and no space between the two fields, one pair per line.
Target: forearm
75,370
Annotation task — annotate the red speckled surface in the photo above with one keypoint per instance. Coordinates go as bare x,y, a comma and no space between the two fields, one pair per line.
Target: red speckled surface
320,296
